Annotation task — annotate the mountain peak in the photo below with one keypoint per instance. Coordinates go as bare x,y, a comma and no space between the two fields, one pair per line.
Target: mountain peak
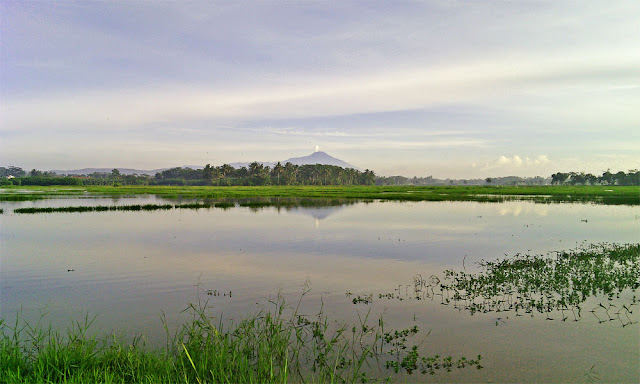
318,157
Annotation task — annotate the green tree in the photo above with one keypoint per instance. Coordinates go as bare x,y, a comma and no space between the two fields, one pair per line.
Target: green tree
278,170
207,174
35,173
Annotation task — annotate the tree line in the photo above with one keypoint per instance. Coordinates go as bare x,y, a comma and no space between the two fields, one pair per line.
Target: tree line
431,181
632,177
224,175
291,174
607,178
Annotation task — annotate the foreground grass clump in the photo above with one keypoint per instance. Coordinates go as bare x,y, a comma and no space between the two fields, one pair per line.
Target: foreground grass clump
273,346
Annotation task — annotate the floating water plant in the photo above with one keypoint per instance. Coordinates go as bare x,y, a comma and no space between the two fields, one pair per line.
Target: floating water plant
556,285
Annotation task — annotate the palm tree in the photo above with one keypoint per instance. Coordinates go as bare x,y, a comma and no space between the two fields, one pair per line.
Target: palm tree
291,173
278,169
226,170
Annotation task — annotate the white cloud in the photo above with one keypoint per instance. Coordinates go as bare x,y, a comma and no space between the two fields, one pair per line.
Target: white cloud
503,160
514,162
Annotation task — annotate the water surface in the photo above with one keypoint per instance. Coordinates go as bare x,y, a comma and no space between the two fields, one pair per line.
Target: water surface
129,267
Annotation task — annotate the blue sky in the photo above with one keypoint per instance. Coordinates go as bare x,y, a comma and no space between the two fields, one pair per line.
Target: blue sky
459,89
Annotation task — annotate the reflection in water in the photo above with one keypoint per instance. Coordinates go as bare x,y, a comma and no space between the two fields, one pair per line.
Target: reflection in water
519,209
319,213
558,287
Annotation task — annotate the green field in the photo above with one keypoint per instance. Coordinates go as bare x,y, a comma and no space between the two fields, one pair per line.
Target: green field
628,195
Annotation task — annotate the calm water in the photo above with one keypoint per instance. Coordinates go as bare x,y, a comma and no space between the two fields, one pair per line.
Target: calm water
129,267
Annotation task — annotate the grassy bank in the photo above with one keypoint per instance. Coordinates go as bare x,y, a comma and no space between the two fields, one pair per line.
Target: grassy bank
273,346
543,194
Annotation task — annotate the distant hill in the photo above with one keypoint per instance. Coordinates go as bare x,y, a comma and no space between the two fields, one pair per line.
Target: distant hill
314,158
124,171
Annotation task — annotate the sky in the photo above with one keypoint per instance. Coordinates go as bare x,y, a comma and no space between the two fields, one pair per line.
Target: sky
450,89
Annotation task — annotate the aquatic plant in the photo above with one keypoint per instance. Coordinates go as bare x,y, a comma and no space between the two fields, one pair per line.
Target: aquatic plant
557,285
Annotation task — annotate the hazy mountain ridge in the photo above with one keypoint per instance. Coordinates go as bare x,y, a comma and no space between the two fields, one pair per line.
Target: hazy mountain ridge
314,158
124,171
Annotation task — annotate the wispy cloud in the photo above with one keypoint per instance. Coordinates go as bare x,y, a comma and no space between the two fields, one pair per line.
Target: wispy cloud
411,89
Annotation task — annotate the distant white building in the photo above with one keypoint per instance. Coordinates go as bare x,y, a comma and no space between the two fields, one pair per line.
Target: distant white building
11,177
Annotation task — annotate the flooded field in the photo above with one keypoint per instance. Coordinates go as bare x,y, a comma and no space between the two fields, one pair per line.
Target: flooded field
390,259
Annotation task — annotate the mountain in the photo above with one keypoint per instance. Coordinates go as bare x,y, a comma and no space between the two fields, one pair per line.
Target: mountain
318,158
314,158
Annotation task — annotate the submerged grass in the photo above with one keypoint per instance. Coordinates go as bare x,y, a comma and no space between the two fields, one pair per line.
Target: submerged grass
277,345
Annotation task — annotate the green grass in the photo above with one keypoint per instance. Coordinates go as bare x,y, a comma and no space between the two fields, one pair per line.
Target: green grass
543,194
276,345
